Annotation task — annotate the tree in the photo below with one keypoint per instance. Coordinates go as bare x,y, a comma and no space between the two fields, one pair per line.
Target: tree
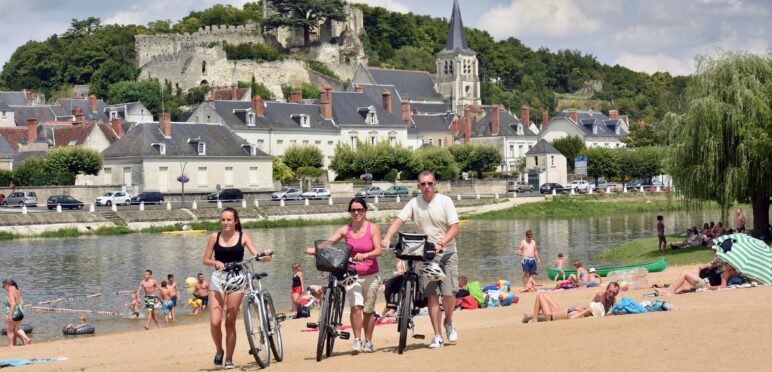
412,58
645,134
32,172
570,147
720,144
281,172
69,162
110,73
476,158
305,14
299,156
146,91
601,162
437,160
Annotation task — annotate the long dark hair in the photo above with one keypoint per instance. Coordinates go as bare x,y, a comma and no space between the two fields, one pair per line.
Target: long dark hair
11,282
357,200
235,217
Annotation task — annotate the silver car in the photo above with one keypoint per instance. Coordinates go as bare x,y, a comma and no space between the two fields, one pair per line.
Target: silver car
316,193
22,198
369,192
289,193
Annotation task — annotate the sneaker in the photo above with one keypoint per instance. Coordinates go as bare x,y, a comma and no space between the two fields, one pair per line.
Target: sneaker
229,364
368,347
451,332
218,360
436,342
357,347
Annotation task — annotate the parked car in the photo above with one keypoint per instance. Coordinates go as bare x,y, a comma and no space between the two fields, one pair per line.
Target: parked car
579,186
602,184
66,201
519,186
396,191
2,199
287,193
21,198
315,193
114,197
369,192
148,197
637,183
225,195
548,187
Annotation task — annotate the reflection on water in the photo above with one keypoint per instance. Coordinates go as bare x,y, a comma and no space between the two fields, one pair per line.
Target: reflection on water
49,269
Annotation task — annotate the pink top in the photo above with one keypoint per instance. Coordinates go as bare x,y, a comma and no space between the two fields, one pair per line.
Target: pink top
362,245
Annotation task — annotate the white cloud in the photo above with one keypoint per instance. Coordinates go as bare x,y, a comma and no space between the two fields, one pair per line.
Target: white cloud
656,62
551,19
392,5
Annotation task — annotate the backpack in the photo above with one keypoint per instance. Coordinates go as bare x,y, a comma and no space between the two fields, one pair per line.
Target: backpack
303,312
469,303
628,306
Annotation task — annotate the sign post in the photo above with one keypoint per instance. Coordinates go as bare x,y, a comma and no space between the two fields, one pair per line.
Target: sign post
580,166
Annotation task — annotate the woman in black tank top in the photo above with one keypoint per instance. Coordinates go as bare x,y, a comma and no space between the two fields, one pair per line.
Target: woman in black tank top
225,247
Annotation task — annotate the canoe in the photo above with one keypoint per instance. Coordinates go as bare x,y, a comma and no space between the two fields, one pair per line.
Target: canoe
652,267
188,232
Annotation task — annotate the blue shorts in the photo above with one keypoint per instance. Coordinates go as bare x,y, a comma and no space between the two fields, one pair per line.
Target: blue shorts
167,306
529,265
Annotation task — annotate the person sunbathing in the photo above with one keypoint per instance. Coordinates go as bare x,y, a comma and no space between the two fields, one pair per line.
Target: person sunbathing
545,308
580,278
694,239
688,282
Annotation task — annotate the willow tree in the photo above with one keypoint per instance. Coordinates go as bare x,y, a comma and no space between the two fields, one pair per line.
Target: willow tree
721,146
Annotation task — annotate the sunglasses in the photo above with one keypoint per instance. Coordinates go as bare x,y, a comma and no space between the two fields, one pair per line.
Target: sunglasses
357,210
426,184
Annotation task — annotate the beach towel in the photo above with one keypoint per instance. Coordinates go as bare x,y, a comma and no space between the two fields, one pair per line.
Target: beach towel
469,303
628,306
476,291
379,322
24,362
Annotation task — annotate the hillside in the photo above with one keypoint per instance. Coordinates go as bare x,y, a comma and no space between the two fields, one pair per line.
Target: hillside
512,74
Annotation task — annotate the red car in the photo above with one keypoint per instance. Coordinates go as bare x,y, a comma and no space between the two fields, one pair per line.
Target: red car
2,199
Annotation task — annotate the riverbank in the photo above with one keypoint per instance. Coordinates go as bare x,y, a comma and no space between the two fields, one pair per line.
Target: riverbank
645,250
490,339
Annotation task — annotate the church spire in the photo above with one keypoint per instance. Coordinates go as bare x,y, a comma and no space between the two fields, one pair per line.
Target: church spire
456,36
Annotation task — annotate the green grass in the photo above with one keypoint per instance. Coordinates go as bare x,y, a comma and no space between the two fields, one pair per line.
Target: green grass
584,207
645,250
4,235
265,224
61,233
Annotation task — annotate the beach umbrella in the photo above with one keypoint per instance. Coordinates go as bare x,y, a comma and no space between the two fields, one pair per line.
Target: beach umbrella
748,255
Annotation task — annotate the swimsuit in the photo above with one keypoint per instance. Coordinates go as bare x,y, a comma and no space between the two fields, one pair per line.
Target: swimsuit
167,306
150,302
529,265
174,301
296,287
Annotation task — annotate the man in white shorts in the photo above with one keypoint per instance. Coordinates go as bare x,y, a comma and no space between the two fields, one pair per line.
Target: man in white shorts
435,216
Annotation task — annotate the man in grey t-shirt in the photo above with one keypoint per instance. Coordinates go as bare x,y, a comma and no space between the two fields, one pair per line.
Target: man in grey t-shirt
435,216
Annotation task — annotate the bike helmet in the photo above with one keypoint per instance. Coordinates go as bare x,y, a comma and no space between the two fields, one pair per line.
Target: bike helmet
432,271
234,282
349,278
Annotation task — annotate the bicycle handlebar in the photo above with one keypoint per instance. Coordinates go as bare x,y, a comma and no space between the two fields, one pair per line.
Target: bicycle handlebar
233,265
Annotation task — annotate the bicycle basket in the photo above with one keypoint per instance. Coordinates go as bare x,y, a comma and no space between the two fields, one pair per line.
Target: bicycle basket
414,247
332,257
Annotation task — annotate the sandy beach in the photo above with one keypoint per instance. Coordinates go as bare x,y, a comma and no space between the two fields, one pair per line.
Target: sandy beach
721,330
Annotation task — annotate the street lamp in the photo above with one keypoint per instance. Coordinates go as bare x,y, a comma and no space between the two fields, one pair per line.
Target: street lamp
183,179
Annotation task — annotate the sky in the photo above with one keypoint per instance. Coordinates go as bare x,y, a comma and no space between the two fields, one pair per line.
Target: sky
643,35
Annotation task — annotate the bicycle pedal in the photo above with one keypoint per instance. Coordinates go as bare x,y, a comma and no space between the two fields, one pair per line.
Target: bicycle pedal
312,325
419,337
344,335
281,317
251,352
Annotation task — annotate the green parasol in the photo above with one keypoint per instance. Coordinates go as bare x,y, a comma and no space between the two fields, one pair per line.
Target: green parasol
748,255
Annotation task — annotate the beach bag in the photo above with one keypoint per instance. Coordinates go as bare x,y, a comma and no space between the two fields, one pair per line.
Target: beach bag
628,306
469,303
18,315
476,292
492,299
303,312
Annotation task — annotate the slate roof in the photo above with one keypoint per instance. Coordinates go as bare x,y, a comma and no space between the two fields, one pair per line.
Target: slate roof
120,108
68,104
61,135
542,147
375,92
456,37
13,98
412,85
220,142
42,113
507,124
433,123
606,126
5,148
347,109
276,115
430,108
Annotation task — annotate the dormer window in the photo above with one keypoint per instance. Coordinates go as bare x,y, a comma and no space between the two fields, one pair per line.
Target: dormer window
202,148
251,149
251,119
160,146
113,115
594,128
616,130
520,129
369,113
302,119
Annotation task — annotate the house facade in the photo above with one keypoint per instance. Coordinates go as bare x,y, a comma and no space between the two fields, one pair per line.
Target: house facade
543,164
595,128
131,112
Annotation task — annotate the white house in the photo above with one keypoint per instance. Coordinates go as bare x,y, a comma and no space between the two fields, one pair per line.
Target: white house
595,128
131,112
544,163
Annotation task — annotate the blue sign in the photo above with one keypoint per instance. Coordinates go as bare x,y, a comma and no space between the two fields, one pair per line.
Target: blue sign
580,166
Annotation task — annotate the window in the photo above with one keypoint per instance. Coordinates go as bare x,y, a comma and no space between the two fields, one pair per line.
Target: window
127,176
594,129
318,142
260,144
616,130
202,176
439,142
251,119
292,142
353,142
252,149
163,179
371,118
330,143
304,121
431,141
520,129
552,160
228,176
519,150
392,139
203,67
305,142
373,139
253,175
113,115
3,114
606,145
512,150
202,148
279,146
617,145
536,159
108,175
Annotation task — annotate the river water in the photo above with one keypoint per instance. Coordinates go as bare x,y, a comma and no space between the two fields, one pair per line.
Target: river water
48,269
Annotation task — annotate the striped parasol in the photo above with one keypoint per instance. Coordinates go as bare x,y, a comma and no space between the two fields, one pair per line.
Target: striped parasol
749,256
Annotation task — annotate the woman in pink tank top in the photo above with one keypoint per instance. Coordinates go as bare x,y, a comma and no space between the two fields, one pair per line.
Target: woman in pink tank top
364,237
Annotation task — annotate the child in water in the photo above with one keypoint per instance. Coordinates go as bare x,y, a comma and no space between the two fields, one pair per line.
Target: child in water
560,273
133,307
78,326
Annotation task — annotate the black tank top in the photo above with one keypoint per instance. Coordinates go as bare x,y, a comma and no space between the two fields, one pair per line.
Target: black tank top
228,254
295,281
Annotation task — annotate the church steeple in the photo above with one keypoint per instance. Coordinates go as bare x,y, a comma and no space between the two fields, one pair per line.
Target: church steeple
456,36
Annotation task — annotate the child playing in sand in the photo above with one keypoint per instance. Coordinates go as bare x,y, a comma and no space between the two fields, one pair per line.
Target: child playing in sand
661,234
559,272
134,307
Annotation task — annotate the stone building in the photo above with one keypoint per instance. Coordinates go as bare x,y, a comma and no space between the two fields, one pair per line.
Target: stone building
458,77
543,164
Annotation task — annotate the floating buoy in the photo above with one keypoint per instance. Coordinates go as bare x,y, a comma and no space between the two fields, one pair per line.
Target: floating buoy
86,329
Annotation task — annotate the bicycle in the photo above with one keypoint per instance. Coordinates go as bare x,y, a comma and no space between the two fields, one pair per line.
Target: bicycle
333,258
410,248
262,323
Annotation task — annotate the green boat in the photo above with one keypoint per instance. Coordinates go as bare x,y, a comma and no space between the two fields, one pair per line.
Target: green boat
652,267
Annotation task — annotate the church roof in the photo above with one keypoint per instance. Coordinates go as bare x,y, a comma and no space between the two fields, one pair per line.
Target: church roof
456,37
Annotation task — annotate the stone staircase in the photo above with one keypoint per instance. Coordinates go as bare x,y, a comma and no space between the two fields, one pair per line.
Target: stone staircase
114,218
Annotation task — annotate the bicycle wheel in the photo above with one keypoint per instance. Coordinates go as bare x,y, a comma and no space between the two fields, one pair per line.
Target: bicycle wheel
323,323
405,311
274,329
335,317
256,331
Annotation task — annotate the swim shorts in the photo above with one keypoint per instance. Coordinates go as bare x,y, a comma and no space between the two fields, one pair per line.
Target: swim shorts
529,265
174,300
150,302
298,290
168,306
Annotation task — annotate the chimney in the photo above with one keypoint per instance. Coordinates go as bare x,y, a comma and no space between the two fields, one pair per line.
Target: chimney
573,116
495,123
325,102
234,92
258,106
358,88
165,124
387,100
613,114
116,123
525,116
467,124
32,131
92,103
30,98
454,128
545,119
296,97
78,113
405,111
